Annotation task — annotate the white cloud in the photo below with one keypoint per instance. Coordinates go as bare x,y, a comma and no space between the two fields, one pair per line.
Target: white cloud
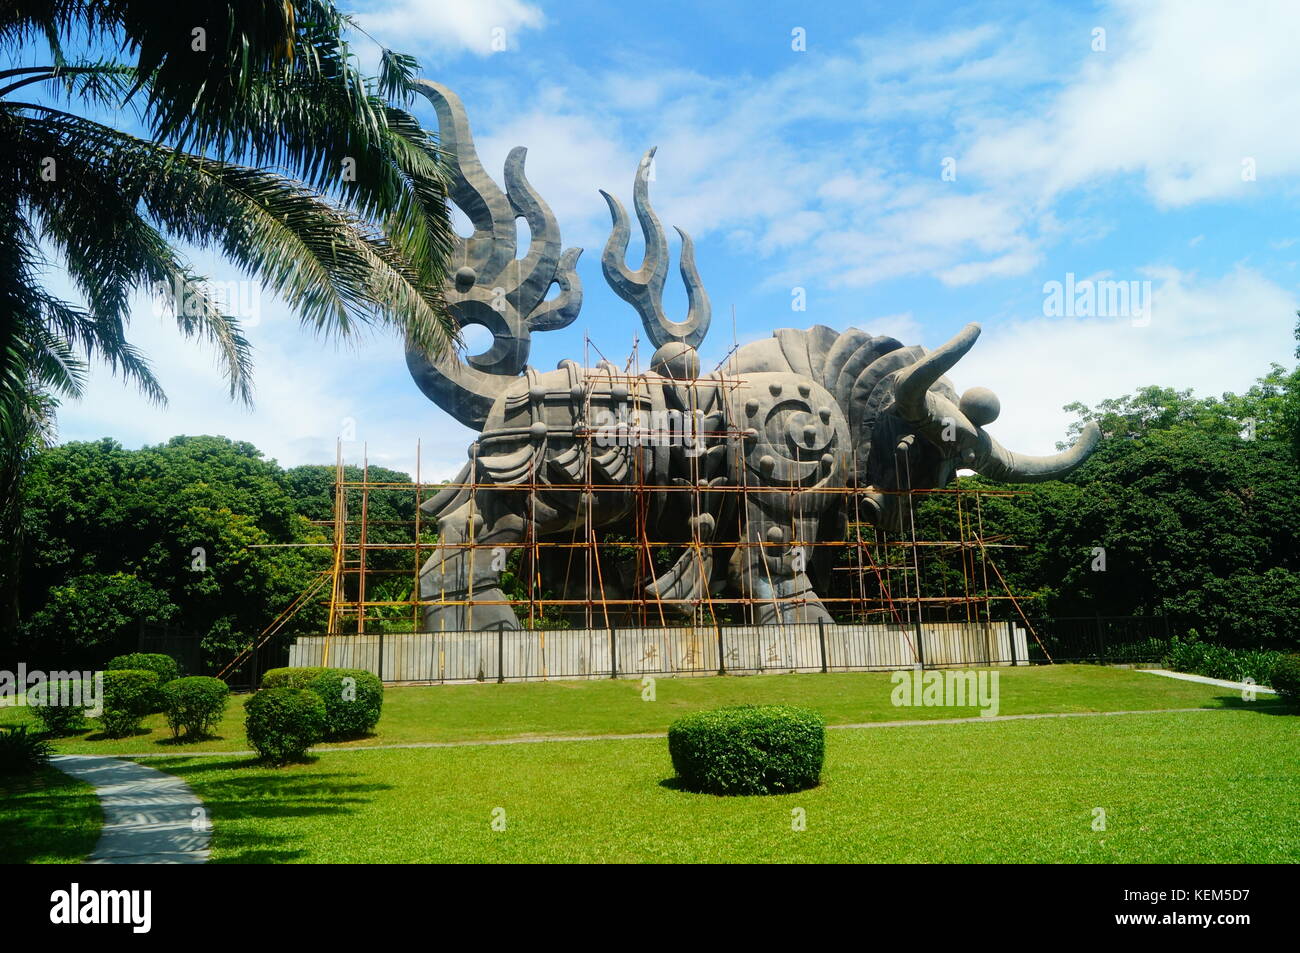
306,389
483,27
1210,335
1186,91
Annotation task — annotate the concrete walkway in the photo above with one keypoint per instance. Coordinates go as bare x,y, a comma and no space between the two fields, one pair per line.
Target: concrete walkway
1204,680
149,817
549,739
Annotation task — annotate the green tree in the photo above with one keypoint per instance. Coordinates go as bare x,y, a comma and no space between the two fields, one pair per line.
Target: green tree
92,617
204,520
1194,503
258,139
353,230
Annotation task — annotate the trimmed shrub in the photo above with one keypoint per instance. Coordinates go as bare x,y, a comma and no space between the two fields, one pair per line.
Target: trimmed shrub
282,723
353,699
290,677
166,668
128,697
53,708
21,751
748,749
1285,677
194,705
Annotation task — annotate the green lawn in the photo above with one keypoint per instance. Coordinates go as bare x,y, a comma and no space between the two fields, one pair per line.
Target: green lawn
541,709
1220,786
47,818
1216,785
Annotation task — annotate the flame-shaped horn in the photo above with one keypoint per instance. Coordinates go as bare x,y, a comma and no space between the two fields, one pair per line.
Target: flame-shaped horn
998,463
643,288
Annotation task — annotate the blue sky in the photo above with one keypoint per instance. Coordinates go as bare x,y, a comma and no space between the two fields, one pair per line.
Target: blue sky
1161,150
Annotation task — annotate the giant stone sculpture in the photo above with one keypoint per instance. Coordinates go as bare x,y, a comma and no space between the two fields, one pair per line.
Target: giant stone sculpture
802,421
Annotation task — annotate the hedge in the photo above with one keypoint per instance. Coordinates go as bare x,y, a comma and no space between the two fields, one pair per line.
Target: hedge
58,718
1285,678
194,705
282,723
354,700
166,668
290,677
748,749
128,697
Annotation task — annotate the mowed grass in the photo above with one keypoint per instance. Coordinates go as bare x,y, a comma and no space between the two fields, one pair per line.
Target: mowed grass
47,818
1214,786
579,708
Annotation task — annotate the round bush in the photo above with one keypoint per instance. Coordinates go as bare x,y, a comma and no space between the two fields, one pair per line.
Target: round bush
282,723
748,749
164,666
60,706
290,677
1285,678
353,699
194,705
128,697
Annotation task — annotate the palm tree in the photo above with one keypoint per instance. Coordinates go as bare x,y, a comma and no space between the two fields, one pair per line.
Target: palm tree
264,141
257,137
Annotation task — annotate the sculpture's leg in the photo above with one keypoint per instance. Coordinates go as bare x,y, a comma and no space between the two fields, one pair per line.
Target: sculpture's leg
774,575
463,576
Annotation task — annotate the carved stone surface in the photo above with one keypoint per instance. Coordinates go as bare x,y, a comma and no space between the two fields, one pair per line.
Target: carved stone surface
800,423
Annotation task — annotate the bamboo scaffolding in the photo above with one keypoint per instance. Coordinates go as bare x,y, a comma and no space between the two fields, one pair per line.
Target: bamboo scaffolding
889,569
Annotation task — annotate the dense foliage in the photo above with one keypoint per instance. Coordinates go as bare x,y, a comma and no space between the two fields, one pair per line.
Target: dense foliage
353,699
22,751
164,666
165,534
290,677
194,705
748,749
128,697
1192,654
54,708
1190,503
282,723
1286,678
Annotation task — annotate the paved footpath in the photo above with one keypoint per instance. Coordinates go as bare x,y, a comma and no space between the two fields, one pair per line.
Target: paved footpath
1205,680
549,739
149,817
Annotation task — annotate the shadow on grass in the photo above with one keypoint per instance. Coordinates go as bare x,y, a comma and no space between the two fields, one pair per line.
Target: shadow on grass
246,799
46,817
101,736
1264,704
181,742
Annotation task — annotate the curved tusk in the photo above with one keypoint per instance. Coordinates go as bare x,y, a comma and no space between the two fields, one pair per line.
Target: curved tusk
915,382
1005,465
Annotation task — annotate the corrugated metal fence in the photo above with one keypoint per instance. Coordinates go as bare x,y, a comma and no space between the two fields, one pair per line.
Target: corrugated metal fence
523,655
